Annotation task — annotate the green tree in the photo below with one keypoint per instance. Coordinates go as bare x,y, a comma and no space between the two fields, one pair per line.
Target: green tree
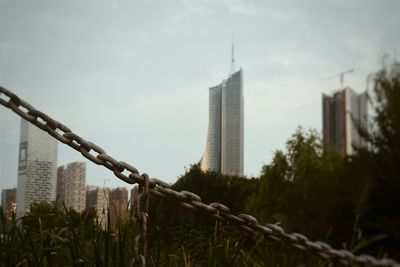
175,228
381,159
300,189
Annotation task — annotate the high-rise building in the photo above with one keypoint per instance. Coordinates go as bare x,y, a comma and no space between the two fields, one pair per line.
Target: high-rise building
37,166
224,147
9,201
343,112
118,205
71,192
133,196
97,199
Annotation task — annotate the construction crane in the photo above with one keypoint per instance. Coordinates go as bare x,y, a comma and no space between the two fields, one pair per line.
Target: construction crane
341,75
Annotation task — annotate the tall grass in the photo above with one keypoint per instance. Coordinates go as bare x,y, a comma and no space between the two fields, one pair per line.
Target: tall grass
50,237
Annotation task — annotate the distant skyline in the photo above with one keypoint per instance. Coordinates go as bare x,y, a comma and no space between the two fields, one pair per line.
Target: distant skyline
133,76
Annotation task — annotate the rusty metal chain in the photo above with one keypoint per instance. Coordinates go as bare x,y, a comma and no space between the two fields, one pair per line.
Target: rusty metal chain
141,214
187,199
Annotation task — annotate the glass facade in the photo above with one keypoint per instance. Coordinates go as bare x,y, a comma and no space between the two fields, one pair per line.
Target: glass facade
224,147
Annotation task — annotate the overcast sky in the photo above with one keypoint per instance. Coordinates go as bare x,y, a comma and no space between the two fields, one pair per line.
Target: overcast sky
133,76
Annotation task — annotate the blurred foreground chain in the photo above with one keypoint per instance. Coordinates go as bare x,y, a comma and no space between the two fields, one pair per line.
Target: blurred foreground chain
141,203
187,199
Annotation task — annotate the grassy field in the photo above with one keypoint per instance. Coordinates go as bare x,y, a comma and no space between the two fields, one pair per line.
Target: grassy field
50,237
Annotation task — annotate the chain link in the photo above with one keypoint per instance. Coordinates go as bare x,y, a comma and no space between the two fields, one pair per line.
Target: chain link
141,213
186,199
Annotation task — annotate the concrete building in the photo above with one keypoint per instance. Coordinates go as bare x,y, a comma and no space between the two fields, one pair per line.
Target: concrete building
342,112
118,205
37,166
71,192
9,201
97,199
224,147
133,196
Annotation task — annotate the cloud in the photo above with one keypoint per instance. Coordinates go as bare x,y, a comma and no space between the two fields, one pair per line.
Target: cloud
290,58
176,18
60,20
201,7
11,45
366,49
247,8
242,8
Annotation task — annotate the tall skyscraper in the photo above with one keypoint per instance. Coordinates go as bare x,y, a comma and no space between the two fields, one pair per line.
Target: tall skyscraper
224,147
133,196
118,204
97,199
36,167
71,191
341,113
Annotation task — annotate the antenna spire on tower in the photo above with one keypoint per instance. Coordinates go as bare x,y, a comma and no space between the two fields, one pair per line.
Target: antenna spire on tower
233,49
233,68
